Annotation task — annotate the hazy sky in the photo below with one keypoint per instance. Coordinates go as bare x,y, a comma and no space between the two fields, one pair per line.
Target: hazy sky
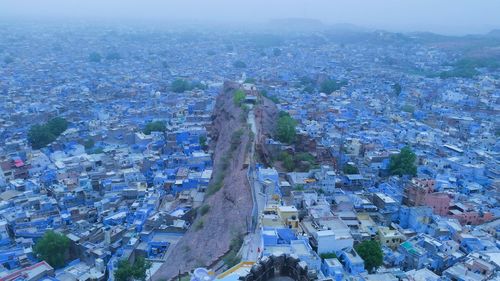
444,16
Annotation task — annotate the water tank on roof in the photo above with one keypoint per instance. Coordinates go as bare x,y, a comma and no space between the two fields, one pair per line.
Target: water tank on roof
202,274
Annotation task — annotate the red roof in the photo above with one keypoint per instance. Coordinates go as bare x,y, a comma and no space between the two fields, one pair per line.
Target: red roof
18,163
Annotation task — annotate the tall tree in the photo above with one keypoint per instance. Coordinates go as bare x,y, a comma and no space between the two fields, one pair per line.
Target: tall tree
403,163
156,126
40,135
128,272
285,129
52,248
371,253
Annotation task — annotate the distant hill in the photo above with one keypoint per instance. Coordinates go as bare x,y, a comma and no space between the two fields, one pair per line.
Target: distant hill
297,23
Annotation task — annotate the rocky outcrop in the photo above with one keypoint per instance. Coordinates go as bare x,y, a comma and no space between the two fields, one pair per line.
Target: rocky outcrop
266,114
208,240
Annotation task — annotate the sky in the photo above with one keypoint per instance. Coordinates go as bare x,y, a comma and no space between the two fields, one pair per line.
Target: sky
440,16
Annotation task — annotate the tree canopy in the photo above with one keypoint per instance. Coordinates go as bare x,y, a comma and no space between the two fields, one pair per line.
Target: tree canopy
40,135
113,56
52,248
285,129
95,57
238,97
8,59
397,89
239,64
329,255
371,253
350,169
328,86
181,85
155,126
127,272
403,163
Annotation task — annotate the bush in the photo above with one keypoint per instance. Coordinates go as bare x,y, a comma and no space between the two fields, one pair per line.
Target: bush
204,209
198,225
236,138
216,184
231,259
330,255
288,162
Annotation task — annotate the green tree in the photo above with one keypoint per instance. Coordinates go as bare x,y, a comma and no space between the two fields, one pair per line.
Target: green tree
95,57
155,126
8,59
113,56
128,272
397,89
408,108
403,163
330,255
203,141
328,86
57,125
239,97
350,169
89,143
40,135
52,248
285,128
250,80
239,64
308,89
371,253
180,86
288,162
197,85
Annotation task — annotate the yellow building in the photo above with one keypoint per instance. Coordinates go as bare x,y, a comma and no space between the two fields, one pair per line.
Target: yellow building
289,216
390,237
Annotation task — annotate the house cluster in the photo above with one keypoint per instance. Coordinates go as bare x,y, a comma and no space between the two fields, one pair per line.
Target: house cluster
119,191
419,241
441,223
114,189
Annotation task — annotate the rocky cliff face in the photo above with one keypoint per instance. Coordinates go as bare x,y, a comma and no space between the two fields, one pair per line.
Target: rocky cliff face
266,114
208,240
